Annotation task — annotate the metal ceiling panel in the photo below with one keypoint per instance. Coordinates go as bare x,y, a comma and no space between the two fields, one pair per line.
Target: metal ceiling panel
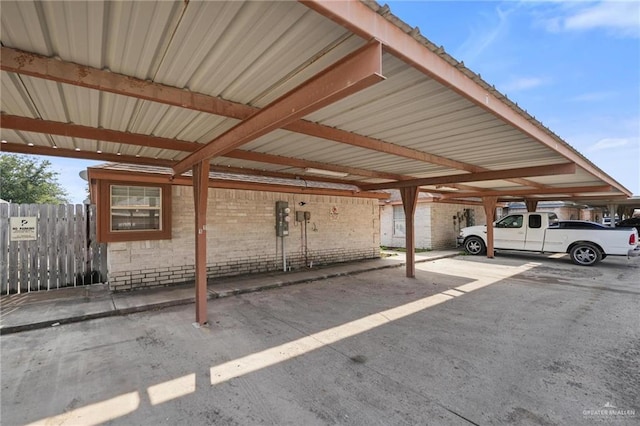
13,136
14,97
288,144
253,53
250,52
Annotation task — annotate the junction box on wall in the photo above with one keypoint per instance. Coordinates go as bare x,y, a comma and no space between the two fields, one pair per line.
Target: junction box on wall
302,216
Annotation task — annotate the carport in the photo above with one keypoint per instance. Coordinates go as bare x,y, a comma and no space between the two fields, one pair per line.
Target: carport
274,89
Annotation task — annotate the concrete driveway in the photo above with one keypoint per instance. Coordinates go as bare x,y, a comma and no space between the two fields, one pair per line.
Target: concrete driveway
519,339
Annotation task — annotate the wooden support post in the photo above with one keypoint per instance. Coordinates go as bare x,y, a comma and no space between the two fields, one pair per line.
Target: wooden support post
409,202
613,209
200,193
490,212
532,205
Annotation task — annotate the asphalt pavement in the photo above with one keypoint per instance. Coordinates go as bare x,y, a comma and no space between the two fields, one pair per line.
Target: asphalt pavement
30,311
516,340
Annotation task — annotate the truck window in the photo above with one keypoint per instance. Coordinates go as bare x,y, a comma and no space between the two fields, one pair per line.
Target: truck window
553,219
511,221
535,221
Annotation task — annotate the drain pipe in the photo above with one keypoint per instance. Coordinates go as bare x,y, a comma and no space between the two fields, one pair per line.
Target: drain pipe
284,257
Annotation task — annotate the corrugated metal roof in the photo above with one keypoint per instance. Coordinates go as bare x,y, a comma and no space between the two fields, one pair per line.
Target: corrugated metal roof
236,177
252,53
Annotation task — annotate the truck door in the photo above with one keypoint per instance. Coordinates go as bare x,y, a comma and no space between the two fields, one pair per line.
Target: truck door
535,233
509,233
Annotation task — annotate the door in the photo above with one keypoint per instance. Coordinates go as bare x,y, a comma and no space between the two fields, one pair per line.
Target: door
535,233
509,233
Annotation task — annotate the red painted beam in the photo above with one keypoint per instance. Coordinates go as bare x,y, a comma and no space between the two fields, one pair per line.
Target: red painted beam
358,18
353,73
553,169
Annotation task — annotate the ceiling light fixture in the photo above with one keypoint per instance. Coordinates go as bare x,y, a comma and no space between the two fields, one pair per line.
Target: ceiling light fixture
322,172
447,188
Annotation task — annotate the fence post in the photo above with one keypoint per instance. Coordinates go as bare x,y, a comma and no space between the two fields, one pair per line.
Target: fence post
4,248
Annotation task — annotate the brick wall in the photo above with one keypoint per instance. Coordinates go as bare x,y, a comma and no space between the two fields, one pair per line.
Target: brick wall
422,224
445,229
435,228
241,237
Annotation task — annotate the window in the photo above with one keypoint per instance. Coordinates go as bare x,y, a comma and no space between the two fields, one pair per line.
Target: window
133,212
399,226
513,221
535,221
135,208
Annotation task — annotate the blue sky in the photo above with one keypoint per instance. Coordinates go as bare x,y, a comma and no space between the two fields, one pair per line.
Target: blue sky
574,65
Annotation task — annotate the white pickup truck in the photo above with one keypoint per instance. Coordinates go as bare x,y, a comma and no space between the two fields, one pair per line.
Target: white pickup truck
586,242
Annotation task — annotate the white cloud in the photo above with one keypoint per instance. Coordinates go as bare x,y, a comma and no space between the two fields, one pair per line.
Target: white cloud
620,18
608,143
521,83
480,39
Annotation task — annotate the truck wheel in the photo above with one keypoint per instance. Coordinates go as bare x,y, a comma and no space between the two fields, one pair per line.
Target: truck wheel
585,254
474,245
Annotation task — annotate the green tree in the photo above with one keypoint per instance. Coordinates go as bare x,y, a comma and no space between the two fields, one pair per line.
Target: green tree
26,180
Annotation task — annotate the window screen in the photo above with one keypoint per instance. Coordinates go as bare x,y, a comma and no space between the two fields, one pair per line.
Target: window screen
136,208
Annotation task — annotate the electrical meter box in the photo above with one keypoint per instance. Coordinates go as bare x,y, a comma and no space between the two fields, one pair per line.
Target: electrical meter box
282,218
302,216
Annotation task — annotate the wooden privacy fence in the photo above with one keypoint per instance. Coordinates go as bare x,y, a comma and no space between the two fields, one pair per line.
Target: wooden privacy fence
60,252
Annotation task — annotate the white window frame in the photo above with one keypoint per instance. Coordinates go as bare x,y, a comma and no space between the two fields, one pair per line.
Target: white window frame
399,222
147,202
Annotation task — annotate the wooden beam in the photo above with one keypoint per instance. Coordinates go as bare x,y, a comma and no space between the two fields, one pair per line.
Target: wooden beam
218,183
353,139
596,198
200,195
546,191
268,173
353,73
20,148
295,162
531,204
137,139
126,175
268,187
409,197
34,65
554,169
459,202
77,131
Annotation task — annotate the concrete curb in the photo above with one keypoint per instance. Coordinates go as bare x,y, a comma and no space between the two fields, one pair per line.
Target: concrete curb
211,294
